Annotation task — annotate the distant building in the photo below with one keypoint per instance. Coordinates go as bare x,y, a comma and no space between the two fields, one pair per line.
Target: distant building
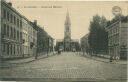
67,44
84,43
45,43
59,44
50,44
32,31
117,38
25,35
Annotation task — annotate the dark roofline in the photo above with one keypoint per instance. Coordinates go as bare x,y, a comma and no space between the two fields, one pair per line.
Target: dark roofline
85,36
122,20
10,7
22,16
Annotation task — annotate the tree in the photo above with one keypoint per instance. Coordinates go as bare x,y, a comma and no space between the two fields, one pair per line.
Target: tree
97,35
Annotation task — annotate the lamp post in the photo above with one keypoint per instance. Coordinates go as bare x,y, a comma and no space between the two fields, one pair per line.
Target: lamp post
36,53
47,45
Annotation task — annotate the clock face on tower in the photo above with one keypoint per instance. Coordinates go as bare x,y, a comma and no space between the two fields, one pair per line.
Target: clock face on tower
116,10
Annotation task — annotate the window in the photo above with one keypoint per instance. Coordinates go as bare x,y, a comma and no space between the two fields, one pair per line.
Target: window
8,49
17,35
18,22
14,20
11,34
4,47
4,13
18,49
4,29
20,35
11,48
11,18
113,31
8,16
14,49
8,31
14,33
5,32
21,49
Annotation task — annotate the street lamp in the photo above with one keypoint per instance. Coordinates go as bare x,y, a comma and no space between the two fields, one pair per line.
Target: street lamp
36,53
47,45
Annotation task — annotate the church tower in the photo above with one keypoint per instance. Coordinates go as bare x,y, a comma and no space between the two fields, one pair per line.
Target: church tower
67,33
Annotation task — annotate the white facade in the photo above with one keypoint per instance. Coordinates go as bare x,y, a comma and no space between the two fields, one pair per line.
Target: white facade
117,39
11,26
25,37
17,33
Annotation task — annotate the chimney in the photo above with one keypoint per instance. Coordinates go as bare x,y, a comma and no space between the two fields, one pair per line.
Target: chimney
35,22
9,3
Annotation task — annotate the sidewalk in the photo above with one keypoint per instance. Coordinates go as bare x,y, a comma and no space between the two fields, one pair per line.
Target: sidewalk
106,60
11,63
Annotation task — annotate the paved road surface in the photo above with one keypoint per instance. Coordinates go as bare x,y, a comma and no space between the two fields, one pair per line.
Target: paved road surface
66,66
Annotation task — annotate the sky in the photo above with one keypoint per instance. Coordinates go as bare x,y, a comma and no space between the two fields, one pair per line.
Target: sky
80,12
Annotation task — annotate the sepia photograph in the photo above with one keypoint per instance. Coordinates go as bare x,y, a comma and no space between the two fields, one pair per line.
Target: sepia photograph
63,41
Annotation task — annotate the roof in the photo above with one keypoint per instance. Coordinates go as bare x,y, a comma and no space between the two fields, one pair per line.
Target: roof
124,19
85,36
59,40
10,7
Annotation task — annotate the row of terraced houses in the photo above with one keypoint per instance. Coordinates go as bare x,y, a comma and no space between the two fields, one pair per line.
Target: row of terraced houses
19,37
117,39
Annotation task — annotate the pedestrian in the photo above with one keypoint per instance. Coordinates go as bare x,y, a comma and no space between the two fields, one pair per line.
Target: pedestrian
59,51
111,59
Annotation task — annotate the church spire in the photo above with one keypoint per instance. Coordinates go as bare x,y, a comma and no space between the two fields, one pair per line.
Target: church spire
67,21
67,32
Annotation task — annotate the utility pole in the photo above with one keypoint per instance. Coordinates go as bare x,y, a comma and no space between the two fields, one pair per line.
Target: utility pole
47,46
36,53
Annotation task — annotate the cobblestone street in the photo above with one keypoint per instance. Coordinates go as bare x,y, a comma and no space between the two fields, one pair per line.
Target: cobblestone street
66,65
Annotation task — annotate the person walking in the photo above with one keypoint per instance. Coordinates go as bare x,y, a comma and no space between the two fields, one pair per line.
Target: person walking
111,59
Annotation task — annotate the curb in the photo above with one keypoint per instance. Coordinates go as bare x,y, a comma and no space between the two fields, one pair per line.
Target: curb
31,60
104,61
14,64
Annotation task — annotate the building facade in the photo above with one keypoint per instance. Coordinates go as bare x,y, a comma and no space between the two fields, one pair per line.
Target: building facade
117,39
59,44
50,44
34,43
25,45
45,43
18,35
29,37
11,31
32,38
85,44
